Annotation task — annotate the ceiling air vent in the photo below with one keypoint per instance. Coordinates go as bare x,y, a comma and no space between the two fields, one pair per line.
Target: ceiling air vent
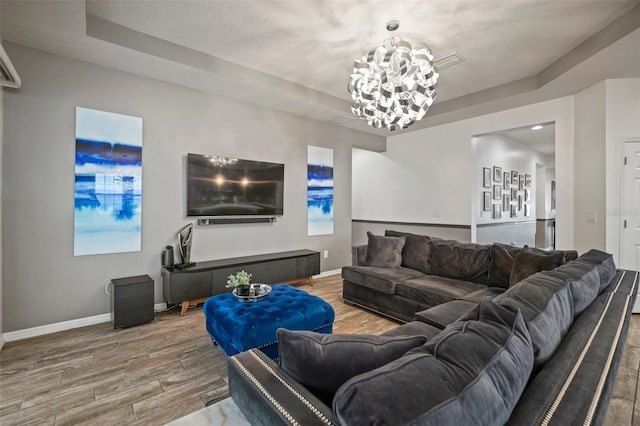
448,61
8,75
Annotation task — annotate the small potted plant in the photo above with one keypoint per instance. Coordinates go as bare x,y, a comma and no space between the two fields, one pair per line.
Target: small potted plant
241,281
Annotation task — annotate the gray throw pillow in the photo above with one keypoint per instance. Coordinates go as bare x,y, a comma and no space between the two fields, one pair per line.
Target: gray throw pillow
323,362
472,373
528,262
384,252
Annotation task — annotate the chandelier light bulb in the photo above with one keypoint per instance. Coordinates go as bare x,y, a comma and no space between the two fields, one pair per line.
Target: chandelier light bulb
394,84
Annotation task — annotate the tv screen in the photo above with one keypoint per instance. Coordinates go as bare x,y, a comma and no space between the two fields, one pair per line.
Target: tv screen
223,186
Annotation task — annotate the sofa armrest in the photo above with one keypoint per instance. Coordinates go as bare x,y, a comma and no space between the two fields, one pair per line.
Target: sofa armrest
358,255
269,396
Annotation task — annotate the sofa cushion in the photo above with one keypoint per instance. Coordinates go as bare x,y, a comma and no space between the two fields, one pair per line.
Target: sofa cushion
444,314
603,262
431,290
547,308
479,295
380,279
528,262
464,261
414,328
384,252
435,384
584,279
502,257
416,252
324,362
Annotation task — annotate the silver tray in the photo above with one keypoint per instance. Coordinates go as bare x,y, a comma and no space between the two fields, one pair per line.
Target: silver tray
256,292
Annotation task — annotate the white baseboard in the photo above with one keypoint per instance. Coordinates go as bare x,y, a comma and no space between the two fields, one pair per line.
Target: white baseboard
62,326
54,328
328,273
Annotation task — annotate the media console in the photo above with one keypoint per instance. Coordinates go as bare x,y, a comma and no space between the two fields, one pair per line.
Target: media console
205,279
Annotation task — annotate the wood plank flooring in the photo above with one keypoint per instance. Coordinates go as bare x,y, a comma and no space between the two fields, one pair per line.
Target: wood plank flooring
158,372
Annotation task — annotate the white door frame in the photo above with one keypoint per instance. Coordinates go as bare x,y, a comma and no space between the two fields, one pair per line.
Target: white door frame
617,215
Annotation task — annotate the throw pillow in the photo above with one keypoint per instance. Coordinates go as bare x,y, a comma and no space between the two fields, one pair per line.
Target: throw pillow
528,262
323,362
502,257
384,252
472,373
417,250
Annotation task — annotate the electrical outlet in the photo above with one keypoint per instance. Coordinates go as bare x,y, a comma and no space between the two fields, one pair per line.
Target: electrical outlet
325,254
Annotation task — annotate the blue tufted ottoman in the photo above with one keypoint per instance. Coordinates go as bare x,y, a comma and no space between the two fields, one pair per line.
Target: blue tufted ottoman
238,326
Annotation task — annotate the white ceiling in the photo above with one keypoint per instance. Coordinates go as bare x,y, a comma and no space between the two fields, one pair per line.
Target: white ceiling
297,55
541,140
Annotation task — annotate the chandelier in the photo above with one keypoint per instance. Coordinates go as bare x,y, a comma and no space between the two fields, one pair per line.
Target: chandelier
393,85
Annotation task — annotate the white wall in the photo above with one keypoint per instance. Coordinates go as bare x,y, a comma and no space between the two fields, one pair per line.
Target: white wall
431,170
589,185
46,283
622,122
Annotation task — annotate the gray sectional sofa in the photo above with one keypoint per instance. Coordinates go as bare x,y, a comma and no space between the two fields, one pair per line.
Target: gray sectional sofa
544,349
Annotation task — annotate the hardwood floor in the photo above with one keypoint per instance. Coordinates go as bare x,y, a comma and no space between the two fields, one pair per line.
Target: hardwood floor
158,372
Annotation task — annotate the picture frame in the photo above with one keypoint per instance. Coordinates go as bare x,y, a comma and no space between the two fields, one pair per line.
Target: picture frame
514,177
521,182
527,210
497,174
506,180
527,181
486,201
506,200
514,194
497,211
514,212
520,203
497,192
486,177
553,195
527,195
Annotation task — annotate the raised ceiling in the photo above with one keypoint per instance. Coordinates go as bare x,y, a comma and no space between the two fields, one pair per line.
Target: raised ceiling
296,56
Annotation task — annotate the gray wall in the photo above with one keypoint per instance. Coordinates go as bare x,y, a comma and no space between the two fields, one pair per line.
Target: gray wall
46,283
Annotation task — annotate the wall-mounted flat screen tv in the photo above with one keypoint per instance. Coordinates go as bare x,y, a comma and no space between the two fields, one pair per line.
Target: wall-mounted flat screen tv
223,186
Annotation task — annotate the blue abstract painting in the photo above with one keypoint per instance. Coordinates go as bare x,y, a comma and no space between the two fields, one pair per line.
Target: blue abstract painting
108,184
319,191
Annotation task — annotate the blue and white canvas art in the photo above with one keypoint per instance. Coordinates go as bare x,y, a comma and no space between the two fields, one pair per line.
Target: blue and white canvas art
108,184
319,191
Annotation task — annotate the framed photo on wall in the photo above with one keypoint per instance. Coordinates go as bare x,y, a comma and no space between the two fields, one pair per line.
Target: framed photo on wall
520,203
527,210
527,181
553,194
486,201
514,177
514,212
497,192
497,174
527,195
506,180
514,194
486,177
521,182
497,212
506,200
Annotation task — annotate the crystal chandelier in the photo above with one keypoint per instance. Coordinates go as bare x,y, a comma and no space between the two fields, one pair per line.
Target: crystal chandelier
393,85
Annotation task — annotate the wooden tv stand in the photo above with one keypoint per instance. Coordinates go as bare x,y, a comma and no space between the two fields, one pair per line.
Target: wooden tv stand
197,283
